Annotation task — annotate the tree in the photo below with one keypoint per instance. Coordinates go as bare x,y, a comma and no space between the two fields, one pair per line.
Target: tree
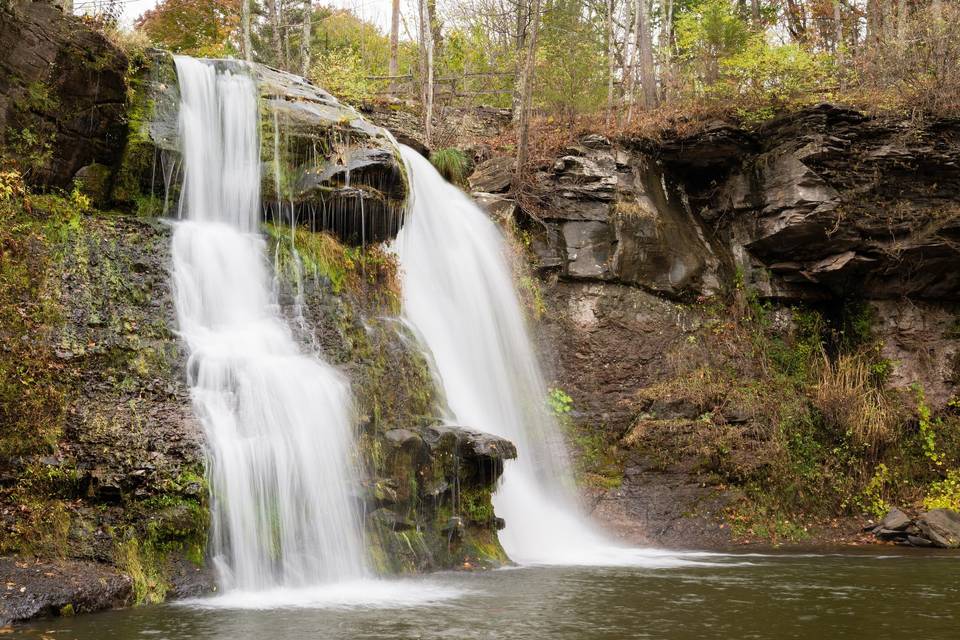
247,44
426,70
194,27
526,89
305,38
394,42
610,60
647,72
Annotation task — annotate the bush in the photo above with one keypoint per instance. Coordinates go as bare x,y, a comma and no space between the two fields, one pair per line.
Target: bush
765,79
341,72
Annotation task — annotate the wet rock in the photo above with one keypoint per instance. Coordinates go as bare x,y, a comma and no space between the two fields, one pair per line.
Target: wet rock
941,527
340,173
502,209
916,541
32,589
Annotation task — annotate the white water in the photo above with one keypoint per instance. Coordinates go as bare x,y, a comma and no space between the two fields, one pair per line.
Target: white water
458,294
278,422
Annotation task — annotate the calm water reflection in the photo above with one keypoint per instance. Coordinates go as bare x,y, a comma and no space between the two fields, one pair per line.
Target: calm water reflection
766,597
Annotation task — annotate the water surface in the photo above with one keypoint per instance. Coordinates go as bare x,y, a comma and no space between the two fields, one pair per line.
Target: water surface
743,596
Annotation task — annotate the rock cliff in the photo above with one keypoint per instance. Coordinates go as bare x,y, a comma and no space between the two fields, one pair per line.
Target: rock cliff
696,284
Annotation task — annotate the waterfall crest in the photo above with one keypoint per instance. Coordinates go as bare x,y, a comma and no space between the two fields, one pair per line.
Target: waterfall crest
459,296
278,422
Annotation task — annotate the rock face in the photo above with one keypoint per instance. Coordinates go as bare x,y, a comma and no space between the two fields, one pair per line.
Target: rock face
830,203
324,165
62,93
609,215
824,208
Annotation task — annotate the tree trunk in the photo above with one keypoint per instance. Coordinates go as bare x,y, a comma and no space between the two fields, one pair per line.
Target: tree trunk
648,73
630,69
666,49
426,71
305,38
245,27
610,61
526,93
903,15
273,9
755,12
838,30
874,22
838,47
520,41
394,44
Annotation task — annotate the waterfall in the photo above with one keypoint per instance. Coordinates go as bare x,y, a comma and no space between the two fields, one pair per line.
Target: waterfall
278,421
459,296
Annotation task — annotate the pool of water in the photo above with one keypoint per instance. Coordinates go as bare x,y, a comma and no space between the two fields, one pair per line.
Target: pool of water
775,596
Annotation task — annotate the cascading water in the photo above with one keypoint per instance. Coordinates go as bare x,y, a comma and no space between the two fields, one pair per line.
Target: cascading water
458,294
278,422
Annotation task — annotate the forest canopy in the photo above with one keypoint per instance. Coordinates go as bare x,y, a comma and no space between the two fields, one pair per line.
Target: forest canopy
620,64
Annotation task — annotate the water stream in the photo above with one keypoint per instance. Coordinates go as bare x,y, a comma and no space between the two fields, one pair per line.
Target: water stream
459,295
278,422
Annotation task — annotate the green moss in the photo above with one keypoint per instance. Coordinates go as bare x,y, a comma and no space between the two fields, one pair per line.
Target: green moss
147,570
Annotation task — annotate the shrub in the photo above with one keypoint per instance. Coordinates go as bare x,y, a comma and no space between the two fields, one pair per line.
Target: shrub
944,494
765,79
341,72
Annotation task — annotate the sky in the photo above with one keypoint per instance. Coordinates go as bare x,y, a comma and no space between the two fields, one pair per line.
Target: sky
376,11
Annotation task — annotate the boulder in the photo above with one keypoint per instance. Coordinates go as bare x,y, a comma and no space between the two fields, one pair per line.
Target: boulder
896,520
941,527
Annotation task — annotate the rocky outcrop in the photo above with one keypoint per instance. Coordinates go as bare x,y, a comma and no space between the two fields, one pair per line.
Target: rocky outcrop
653,252
62,93
65,588
324,165
827,202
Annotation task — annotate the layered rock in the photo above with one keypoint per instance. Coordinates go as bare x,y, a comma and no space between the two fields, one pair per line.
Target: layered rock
824,211
324,166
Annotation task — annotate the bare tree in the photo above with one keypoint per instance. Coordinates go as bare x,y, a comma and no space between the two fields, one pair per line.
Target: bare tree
245,27
903,14
426,70
610,61
394,43
526,91
305,38
648,77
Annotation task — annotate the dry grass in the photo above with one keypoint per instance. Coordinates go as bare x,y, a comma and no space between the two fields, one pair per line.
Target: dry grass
851,402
